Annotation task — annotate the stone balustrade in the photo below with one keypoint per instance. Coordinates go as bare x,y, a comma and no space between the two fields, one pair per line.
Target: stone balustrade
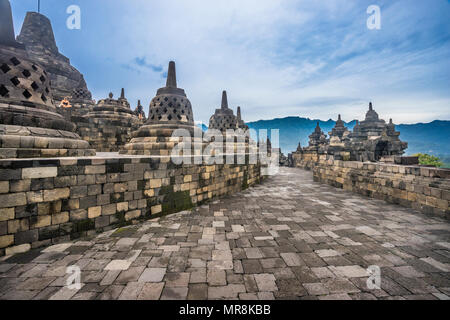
43,201
422,188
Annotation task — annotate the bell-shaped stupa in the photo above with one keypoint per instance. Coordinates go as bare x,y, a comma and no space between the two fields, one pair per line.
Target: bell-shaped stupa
29,123
169,110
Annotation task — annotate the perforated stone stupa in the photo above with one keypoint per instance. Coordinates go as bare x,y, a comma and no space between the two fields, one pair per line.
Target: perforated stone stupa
109,125
39,40
169,110
29,123
224,117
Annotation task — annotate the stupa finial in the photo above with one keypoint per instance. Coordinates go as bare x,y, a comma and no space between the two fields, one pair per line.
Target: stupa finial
171,76
239,113
224,100
122,94
370,106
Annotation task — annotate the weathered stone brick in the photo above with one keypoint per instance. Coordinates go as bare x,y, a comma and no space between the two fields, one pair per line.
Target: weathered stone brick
132,215
65,181
87,202
3,228
26,236
102,221
12,200
18,249
155,183
95,169
94,212
6,214
79,214
6,241
109,209
17,225
56,194
122,206
156,209
39,172
4,187
35,196
59,218
78,192
10,174
94,189
40,221
43,208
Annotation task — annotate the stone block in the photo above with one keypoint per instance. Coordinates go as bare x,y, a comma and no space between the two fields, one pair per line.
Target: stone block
155,183
12,200
77,215
94,212
35,196
26,236
18,249
59,218
6,214
6,241
10,174
18,225
122,206
132,215
4,187
78,192
40,221
109,209
95,169
39,172
156,209
56,194
102,221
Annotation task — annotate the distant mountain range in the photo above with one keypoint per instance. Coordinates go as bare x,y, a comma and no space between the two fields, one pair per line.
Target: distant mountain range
432,138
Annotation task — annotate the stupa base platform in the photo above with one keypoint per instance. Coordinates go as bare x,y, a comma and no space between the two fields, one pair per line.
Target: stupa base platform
33,142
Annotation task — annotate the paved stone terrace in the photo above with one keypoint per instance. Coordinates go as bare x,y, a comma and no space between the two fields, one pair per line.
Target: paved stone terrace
289,238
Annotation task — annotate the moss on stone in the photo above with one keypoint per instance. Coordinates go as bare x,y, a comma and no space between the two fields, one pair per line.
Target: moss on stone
176,201
83,225
245,181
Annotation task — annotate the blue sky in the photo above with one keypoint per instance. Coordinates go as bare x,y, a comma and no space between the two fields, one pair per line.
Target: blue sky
275,58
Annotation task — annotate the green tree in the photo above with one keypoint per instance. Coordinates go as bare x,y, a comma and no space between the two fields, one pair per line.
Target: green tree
427,159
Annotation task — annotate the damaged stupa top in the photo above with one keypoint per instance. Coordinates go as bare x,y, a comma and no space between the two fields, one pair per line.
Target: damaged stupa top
170,104
29,123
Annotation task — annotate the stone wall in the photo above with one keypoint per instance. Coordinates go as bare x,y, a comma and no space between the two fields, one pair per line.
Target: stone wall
305,160
51,200
422,188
